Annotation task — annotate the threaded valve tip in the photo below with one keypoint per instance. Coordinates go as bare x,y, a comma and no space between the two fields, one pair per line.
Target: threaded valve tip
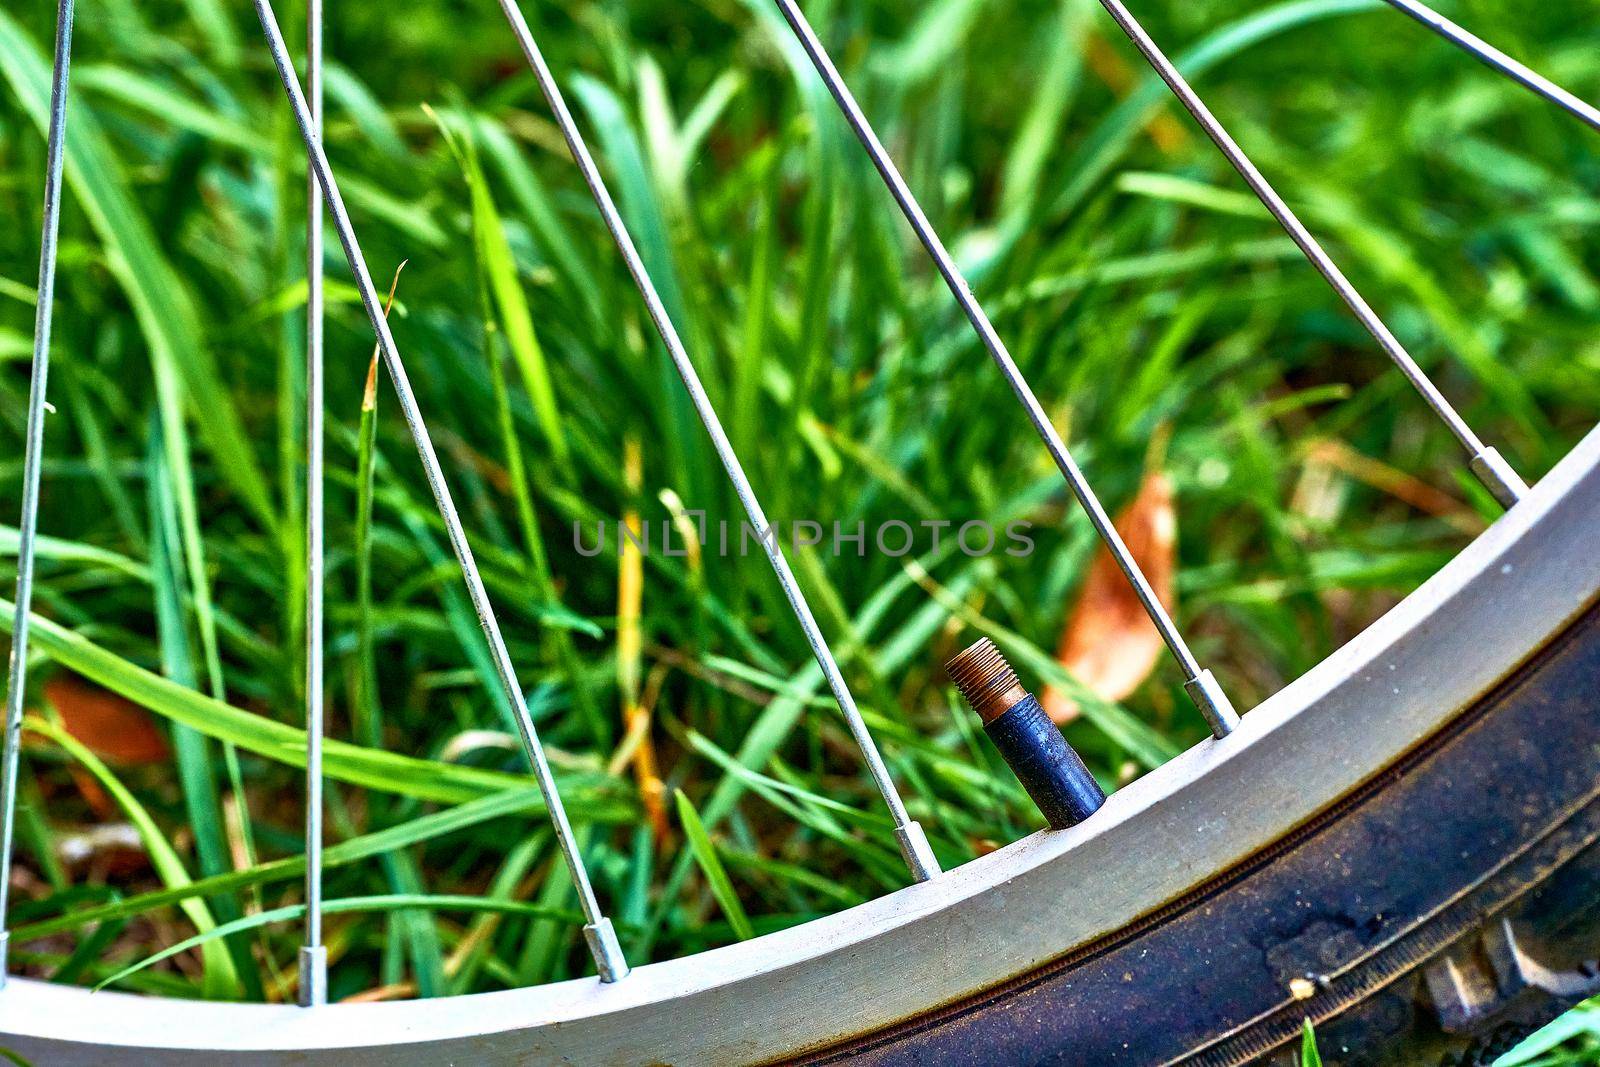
986,681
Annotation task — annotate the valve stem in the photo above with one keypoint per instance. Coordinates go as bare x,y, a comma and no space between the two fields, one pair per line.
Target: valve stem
1048,768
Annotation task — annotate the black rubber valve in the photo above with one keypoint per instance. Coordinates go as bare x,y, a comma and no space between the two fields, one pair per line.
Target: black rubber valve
1048,768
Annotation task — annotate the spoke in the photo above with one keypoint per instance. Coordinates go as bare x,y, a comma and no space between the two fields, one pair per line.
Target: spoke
1486,463
913,842
16,680
598,930
1201,685
313,954
1492,57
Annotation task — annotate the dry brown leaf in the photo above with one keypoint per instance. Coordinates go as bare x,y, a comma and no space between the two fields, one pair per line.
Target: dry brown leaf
94,793
1109,643
112,727
1339,456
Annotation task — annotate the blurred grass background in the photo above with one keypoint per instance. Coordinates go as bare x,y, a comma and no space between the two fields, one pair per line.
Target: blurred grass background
1159,313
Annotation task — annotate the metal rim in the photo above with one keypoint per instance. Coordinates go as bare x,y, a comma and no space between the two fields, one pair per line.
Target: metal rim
893,958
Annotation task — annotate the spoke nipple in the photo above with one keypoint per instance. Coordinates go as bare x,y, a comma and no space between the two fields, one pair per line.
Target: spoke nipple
917,852
1031,744
1213,703
1498,476
607,950
313,976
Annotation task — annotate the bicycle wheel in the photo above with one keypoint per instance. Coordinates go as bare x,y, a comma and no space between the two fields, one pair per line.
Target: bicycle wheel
1461,801
1422,887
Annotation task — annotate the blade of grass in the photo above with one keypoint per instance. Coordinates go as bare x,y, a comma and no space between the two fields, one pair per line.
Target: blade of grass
365,714
779,718
630,642
425,828
705,855
87,421
1039,133
510,883
89,950
59,550
344,906
221,980
211,17
202,803
163,306
1120,129
412,220
35,833
548,942
415,930
1309,1056
495,272
641,207
418,930
355,99
458,612
576,272
498,269
403,775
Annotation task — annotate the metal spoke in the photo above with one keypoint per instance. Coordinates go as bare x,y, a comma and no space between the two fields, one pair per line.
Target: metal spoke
1492,57
313,954
1200,684
913,842
1486,463
598,930
16,680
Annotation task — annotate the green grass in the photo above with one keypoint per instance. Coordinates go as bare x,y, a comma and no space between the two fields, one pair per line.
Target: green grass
1138,287
1571,1040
